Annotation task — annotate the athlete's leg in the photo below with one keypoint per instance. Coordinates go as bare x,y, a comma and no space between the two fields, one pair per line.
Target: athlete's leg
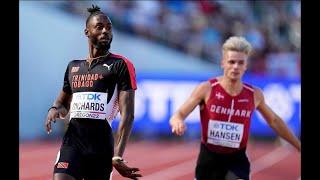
68,164
62,176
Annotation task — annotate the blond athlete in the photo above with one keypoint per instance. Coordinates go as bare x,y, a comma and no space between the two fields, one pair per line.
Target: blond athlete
226,106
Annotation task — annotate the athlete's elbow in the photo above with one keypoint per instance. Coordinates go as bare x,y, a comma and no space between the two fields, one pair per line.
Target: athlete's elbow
273,122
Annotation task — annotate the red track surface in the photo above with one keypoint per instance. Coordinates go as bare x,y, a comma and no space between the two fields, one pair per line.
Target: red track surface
167,160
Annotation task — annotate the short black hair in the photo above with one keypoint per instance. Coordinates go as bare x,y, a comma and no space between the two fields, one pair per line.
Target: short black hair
94,10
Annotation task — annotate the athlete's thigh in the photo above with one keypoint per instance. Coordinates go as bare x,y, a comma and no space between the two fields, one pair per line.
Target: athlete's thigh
69,161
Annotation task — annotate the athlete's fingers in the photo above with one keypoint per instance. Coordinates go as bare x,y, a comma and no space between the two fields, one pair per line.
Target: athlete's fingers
48,126
181,128
176,131
56,116
173,130
134,169
134,175
184,128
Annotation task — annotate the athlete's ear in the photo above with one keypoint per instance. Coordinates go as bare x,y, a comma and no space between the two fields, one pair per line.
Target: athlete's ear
86,32
245,66
221,63
222,60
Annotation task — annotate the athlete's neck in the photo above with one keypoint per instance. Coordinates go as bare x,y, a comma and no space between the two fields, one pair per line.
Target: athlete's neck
95,53
233,87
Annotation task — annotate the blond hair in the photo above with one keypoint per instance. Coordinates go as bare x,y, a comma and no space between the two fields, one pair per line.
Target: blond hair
237,43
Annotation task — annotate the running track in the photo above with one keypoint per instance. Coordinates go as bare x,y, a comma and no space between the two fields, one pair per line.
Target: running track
167,160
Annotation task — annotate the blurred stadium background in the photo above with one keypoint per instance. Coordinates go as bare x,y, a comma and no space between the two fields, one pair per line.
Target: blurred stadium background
174,45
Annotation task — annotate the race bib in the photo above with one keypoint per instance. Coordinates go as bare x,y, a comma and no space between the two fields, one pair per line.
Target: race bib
225,134
91,105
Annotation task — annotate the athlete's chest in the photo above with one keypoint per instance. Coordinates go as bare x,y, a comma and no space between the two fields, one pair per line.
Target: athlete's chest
225,106
97,76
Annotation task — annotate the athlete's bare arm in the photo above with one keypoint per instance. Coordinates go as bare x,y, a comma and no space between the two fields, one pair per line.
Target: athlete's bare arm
62,103
126,105
199,94
274,121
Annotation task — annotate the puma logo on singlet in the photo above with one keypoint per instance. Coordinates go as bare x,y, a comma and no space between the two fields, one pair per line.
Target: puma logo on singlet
108,66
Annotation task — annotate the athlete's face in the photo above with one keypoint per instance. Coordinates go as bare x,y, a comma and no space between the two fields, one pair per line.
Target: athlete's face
99,31
234,64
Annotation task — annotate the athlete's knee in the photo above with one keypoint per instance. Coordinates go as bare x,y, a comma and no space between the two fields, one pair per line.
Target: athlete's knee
62,176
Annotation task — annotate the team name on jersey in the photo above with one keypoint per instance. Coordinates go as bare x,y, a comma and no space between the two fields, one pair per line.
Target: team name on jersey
228,111
84,80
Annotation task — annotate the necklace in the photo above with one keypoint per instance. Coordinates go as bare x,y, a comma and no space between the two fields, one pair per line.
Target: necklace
88,58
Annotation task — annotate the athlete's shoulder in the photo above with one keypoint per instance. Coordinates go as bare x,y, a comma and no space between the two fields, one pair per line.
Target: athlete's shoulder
75,62
258,96
121,58
249,87
214,81
201,90
204,86
257,91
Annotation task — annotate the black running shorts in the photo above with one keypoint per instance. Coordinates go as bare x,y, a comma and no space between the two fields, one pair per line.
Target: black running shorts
215,166
88,158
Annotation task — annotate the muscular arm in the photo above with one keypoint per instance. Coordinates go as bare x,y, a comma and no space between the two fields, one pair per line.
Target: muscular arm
274,121
198,95
126,105
62,104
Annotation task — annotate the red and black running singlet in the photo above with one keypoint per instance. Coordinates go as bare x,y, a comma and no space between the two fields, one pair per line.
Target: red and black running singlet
225,119
95,89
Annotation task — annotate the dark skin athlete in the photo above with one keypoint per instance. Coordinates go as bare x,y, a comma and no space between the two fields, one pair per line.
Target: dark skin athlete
99,33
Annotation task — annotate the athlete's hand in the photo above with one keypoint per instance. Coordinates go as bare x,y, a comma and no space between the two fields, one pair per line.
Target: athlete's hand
53,114
126,171
178,126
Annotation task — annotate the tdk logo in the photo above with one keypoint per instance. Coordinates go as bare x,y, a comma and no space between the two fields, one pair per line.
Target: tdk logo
228,127
88,97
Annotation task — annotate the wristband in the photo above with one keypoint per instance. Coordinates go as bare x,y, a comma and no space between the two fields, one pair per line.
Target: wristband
118,158
53,107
